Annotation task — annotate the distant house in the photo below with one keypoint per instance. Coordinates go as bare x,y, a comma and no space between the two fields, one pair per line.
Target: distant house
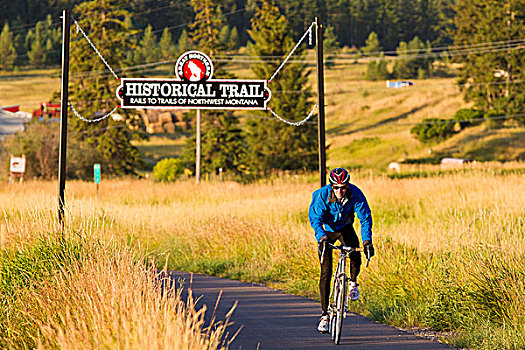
398,84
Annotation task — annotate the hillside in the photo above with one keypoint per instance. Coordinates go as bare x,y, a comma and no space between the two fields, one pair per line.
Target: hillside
368,125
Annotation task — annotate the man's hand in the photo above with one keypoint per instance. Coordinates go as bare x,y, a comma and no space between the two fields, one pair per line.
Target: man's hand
324,239
369,249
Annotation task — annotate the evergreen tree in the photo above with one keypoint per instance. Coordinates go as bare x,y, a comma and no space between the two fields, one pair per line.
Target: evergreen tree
206,26
36,53
167,48
491,21
184,43
7,49
148,50
274,145
373,46
377,68
407,67
224,36
234,39
330,46
92,89
44,43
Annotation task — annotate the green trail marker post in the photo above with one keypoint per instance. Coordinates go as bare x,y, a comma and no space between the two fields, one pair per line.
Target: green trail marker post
96,173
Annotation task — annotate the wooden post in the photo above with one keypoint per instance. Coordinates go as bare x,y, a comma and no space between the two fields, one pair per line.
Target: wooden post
320,87
63,116
198,148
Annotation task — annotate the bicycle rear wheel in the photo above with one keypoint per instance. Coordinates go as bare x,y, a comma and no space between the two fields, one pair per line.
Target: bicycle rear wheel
340,309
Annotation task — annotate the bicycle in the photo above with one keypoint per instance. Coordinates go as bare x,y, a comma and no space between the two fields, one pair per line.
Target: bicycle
338,305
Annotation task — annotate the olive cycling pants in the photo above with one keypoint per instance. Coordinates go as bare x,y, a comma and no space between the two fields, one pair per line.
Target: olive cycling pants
347,237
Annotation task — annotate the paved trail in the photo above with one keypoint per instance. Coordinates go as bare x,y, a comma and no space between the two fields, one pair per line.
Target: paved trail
274,320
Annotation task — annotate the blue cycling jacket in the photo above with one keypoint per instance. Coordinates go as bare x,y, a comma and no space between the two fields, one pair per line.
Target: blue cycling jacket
326,213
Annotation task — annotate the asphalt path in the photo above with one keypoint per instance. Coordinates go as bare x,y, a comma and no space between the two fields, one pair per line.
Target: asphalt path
265,318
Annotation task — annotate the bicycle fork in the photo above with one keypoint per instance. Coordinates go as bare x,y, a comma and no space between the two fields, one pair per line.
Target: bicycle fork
340,273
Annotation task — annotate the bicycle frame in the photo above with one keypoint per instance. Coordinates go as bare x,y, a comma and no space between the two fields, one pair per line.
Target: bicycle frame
339,298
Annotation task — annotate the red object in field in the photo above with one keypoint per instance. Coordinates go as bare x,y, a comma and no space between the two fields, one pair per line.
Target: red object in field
11,108
48,109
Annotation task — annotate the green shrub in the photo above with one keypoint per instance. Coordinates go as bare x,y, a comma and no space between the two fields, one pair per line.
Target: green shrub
467,117
433,130
377,70
168,169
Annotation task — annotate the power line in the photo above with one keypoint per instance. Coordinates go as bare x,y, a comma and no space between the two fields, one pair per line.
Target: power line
437,121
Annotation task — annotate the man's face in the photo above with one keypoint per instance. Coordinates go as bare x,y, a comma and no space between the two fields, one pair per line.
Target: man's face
340,190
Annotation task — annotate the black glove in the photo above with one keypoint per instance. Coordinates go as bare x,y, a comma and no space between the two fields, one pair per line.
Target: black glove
324,239
369,249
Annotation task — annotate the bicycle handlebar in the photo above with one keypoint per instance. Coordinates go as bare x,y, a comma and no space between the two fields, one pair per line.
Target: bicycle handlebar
347,250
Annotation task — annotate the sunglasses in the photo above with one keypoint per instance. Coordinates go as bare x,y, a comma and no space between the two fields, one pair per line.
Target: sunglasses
339,187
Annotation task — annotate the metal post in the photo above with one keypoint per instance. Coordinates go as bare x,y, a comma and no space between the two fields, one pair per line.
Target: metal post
320,87
198,147
63,116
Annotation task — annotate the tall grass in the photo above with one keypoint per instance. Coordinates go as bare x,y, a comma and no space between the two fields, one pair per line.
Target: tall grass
65,292
449,245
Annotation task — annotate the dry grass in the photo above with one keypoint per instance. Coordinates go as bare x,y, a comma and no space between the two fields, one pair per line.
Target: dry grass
86,290
28,92
110,301
457,234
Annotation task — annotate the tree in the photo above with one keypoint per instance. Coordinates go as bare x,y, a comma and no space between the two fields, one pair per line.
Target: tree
224,36
184,43
234,39
274,145
206,26
373,47
376,68
407,66
148,51
330,46
44,43
167,48
92,89
487,78
7,49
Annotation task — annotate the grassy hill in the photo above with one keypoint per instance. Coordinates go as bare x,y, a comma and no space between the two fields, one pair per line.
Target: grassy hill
368,125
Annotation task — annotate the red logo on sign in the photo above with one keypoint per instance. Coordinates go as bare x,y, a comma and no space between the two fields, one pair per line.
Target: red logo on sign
194,66
194,70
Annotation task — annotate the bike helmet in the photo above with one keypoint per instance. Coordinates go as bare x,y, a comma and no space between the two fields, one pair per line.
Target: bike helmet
339,176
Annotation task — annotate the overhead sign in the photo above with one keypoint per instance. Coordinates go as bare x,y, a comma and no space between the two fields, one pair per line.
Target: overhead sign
96,171
17,165
193,89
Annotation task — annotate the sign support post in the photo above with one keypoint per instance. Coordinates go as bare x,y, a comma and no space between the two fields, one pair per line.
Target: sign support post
320,87
63,116
198,148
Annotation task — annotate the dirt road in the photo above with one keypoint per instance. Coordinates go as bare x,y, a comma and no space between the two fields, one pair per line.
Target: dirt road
270,319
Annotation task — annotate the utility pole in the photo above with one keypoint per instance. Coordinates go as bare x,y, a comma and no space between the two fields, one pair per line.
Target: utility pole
320,115
198,148
66,22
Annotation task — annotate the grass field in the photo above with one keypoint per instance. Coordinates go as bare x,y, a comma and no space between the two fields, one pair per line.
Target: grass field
449,244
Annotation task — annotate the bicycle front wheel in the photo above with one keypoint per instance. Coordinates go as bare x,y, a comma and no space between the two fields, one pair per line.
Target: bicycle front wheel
340,309
333,306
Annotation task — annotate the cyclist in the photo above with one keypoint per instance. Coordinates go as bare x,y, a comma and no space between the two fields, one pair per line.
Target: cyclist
331,216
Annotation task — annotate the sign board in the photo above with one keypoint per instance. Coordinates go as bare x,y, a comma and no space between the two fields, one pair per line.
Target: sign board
17,165
96,170
193,89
